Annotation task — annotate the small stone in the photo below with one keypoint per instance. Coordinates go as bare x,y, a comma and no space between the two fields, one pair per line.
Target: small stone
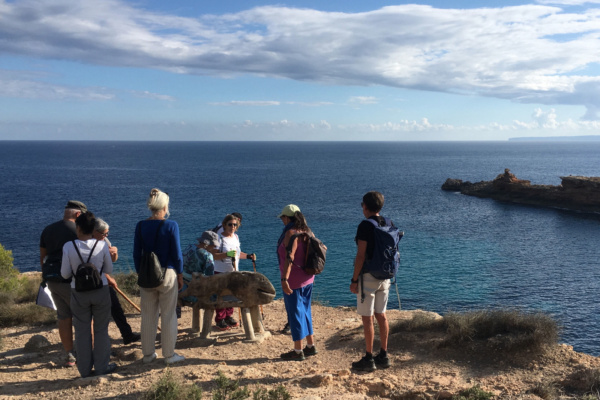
36,343
444,395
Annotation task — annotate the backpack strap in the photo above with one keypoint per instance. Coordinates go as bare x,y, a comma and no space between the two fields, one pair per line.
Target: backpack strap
90,256
388,222
293,238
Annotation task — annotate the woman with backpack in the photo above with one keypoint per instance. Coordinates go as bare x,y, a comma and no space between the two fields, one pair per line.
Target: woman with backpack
295,283
88,260
159,236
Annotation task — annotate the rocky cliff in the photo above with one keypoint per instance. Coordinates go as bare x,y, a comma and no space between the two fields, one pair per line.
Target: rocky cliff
577,193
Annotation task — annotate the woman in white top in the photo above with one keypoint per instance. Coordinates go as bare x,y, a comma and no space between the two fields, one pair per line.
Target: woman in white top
227,255
88,305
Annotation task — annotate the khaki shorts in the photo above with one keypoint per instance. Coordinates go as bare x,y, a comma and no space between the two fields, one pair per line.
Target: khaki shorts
376,295
61,294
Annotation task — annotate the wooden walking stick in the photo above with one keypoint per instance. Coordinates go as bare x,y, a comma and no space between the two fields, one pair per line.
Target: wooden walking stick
127,298
129,301
261,309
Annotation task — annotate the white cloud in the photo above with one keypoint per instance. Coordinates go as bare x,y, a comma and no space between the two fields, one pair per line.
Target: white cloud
248,103
153,96
528,53
362,100
542,123
568,2
28,85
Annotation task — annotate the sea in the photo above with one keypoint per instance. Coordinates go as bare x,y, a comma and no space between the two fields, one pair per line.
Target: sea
459,253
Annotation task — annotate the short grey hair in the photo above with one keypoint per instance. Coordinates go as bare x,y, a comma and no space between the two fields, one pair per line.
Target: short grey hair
101,225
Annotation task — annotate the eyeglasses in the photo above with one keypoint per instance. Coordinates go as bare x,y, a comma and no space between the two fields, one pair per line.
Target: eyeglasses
232,224
104,234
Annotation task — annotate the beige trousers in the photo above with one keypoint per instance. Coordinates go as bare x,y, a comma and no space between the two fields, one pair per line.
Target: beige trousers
160,300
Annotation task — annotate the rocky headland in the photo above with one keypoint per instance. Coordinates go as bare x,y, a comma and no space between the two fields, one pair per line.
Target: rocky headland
577,193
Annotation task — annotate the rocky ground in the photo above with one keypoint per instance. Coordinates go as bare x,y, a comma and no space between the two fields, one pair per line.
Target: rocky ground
421,367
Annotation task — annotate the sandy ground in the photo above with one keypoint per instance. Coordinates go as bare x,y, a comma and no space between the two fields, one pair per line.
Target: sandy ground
421,368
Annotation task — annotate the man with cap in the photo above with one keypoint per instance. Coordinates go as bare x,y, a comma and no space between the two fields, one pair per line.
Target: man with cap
52,240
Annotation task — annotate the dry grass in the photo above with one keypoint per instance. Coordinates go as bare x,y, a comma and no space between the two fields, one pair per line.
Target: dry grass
509,330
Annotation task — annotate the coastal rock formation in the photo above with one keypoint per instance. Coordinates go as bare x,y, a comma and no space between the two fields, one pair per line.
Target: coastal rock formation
578,193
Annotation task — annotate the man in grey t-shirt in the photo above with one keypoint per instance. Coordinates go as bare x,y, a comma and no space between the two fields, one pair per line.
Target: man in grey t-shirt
52,240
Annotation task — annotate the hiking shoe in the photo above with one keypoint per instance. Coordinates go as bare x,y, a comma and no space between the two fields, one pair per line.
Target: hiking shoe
134,337
382,361
150,358
112,367
70,360
175,358
231,322
364,364
286,329
293,355
310,351
222,325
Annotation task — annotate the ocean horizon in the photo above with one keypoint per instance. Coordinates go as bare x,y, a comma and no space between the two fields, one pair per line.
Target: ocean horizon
458,253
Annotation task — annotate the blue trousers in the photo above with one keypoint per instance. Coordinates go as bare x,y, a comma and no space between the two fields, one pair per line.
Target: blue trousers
297,306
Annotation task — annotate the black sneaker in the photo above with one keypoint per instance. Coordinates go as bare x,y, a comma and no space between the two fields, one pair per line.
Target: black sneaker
382,361
364,364
286,329
293,355
310,351
231,322
222,325
134,337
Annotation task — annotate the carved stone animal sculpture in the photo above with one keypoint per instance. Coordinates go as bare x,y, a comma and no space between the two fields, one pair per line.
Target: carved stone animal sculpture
246,290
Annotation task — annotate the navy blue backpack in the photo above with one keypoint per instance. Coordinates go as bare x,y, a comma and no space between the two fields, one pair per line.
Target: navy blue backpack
386,256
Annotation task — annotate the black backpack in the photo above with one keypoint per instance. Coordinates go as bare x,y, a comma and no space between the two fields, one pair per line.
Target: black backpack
87,277
151,273
386,256
316,253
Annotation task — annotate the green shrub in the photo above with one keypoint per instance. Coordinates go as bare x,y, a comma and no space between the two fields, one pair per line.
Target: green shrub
583,380
279,393
127,282
168,388
504,329
546,390
474,393
9,276
26,314
228,389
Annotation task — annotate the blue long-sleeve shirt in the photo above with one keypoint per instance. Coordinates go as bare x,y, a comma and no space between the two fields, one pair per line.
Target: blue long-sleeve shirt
167,247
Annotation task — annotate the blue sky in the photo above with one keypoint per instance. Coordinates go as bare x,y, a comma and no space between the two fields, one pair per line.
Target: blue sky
302,70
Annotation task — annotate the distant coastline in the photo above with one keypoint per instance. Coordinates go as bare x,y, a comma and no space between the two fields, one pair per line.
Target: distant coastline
587,138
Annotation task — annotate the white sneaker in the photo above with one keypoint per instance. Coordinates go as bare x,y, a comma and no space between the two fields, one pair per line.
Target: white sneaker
150,358
175,358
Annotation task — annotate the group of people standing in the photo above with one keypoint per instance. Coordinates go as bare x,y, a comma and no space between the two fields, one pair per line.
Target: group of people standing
63,245
81,236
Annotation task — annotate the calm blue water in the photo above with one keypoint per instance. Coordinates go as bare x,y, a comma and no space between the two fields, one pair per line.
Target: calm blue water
458,252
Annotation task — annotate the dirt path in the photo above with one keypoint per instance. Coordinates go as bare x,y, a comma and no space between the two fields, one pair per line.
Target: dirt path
421,369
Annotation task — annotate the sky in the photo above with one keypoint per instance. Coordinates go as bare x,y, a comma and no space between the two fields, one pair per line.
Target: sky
299,70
